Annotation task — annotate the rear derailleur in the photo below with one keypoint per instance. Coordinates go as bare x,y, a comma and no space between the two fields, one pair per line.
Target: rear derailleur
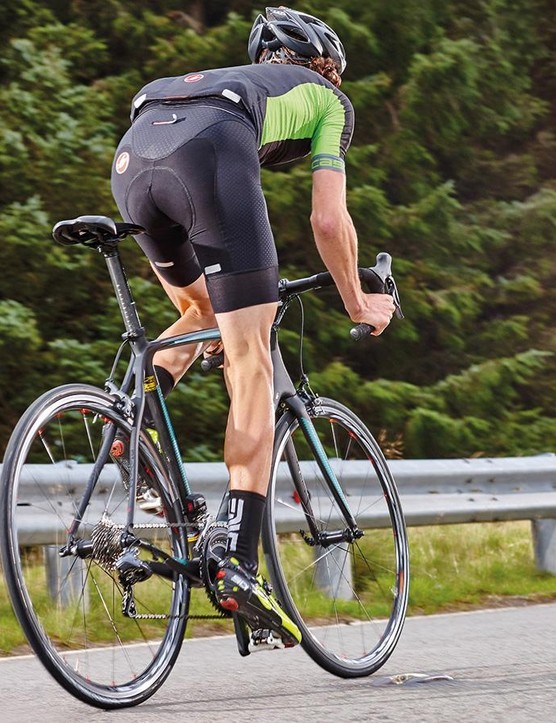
131,570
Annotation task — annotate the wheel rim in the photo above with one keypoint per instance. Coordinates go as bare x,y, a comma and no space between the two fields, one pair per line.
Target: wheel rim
350,598
71,608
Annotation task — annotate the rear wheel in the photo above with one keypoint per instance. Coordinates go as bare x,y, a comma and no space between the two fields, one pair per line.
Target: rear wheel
71,607
347,596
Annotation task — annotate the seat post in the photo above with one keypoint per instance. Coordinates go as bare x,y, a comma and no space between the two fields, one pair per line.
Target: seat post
122,290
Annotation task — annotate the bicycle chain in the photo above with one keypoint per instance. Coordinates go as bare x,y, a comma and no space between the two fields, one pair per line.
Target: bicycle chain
129,610
154,525
157,525
162,616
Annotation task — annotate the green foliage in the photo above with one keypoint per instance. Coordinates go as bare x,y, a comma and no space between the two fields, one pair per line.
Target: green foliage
54,125
187,51
433,434
452,170
20,343
442,93
199,408
23,224
479,411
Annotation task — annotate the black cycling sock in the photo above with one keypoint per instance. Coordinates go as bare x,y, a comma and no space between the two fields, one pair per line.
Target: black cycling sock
245,518
165,380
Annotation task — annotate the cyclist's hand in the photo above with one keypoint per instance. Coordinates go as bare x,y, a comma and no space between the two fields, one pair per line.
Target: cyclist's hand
376,310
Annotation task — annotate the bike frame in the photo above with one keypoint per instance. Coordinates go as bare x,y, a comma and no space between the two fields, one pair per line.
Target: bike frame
139,391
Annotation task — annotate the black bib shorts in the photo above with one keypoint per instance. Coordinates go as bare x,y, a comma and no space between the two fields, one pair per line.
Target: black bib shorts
189,173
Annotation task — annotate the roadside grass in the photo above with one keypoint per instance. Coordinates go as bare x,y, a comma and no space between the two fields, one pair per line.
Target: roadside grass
460,567
453,567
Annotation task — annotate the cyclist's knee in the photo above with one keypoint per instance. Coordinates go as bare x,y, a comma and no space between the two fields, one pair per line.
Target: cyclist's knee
246,332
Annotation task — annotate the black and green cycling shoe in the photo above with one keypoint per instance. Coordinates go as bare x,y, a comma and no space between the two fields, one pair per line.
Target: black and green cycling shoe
237,591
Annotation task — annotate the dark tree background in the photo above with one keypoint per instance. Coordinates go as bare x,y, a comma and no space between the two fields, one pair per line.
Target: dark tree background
453,171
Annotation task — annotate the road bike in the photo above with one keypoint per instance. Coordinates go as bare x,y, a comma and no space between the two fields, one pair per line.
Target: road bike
103,550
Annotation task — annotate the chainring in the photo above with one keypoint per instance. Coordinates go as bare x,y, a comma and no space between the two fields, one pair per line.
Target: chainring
212,548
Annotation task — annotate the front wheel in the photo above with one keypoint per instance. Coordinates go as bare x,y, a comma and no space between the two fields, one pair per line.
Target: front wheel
111,645
347,593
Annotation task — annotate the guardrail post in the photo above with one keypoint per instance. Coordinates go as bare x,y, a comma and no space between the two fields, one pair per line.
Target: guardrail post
66,578
334,575
544,542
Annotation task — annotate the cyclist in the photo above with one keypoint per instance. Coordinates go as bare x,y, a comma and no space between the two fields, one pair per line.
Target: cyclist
188,171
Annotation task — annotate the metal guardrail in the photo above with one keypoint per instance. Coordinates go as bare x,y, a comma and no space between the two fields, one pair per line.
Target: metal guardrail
433,492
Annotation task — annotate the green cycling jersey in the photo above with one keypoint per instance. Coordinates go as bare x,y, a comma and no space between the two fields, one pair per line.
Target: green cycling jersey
294,110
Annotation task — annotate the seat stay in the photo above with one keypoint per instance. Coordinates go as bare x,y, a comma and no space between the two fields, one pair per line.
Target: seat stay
91,484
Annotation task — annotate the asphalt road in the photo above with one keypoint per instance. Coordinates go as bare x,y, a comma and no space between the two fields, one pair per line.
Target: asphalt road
495,665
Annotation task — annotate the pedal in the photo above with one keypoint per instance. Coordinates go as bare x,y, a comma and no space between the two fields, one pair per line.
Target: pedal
132,569
265,639
242,635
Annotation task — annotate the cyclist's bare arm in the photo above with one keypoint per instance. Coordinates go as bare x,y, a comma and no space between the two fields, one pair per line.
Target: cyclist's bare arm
336,241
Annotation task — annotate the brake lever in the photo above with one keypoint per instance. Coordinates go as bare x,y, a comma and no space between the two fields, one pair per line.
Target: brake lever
388,287
392,289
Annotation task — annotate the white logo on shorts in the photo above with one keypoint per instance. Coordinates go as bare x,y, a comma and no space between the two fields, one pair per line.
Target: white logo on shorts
122,162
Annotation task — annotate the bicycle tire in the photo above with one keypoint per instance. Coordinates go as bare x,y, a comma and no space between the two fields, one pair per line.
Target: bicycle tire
73,618
328,589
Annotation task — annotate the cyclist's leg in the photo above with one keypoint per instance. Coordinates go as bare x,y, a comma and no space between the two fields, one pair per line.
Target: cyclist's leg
235,247
248,451
248,374
195,308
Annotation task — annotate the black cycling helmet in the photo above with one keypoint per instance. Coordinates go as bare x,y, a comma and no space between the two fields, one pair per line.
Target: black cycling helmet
304,35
